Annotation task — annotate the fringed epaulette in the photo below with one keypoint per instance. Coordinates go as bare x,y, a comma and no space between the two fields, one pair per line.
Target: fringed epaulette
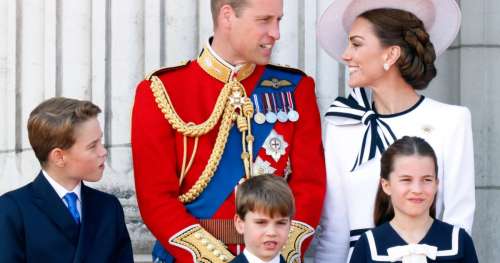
286,68
165,69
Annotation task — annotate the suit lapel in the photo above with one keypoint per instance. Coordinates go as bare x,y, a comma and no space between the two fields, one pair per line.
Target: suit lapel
90,220
51,205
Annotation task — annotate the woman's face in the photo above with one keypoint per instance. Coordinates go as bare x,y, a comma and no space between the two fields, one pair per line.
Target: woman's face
364,55
412,185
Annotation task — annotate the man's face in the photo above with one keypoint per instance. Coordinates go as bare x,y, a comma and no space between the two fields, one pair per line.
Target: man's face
264,235
254,31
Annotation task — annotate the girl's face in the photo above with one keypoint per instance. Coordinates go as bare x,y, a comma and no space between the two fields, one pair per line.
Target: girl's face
412,185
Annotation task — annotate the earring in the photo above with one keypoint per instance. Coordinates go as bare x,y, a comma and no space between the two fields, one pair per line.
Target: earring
386,66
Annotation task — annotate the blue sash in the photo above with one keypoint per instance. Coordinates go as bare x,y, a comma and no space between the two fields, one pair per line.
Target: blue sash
231,169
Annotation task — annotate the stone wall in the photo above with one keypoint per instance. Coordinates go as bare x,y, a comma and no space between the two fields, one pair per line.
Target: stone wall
99,49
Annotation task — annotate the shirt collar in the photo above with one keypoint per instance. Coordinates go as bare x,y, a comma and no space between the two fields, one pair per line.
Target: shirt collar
219,68
60,190
254,259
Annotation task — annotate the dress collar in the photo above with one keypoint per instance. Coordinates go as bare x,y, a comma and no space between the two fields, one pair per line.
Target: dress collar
220,69
444,237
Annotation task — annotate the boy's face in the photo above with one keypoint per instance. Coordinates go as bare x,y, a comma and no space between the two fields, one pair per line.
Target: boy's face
85,159
264,235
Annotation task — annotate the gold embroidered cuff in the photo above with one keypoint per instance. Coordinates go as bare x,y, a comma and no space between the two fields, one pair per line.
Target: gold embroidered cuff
202,245
299,231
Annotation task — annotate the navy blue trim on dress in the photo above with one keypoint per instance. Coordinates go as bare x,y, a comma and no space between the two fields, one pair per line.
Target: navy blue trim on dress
420,100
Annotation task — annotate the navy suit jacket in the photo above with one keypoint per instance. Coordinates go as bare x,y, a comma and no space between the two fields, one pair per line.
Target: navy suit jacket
36,226
242,259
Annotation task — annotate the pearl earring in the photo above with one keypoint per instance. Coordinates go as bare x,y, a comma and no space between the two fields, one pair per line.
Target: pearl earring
386,66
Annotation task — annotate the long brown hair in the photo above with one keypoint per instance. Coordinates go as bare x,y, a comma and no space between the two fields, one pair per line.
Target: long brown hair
395,27
406,146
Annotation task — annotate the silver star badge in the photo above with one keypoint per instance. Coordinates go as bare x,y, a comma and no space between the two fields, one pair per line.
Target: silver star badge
275,145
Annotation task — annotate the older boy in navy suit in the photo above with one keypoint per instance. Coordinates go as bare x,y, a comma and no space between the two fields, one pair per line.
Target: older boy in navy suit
56,218
264,210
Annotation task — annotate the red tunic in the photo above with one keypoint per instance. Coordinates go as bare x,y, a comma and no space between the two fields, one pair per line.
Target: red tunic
157,152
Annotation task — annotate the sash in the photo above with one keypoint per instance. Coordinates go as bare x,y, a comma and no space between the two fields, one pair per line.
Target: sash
231,169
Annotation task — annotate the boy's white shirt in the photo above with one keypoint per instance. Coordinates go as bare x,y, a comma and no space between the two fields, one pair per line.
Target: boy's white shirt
61,191
254,259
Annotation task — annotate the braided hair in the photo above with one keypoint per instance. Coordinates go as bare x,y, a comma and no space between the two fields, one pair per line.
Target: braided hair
395,27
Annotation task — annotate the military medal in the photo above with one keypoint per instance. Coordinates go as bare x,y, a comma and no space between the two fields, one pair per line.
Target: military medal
282,115
270,115
275,106
293,115
259,117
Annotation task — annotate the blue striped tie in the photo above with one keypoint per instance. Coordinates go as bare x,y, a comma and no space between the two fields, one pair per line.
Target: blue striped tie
71,198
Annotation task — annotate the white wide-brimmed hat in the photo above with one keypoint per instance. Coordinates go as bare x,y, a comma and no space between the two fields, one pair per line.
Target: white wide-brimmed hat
441,19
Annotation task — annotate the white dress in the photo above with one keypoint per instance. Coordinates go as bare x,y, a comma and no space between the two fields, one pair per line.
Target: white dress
350,197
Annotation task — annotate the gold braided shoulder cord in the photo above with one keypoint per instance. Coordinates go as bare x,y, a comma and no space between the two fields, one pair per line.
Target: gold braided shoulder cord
213,161
223,105
166,107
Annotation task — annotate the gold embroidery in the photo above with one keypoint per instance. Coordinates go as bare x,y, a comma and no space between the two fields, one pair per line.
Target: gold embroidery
203,246
211,65
299,231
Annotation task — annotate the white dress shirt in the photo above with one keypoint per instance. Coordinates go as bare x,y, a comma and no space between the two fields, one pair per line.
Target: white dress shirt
61,192
254,259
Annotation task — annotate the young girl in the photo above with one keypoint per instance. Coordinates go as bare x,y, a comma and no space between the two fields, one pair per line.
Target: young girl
404,213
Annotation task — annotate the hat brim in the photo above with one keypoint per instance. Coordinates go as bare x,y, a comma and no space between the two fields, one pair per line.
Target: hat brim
441,19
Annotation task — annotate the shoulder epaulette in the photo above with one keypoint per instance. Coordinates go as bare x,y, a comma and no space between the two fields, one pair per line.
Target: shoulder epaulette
287,68
166,69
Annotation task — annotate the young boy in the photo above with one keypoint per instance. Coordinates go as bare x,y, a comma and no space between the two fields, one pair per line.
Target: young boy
264,208
56,218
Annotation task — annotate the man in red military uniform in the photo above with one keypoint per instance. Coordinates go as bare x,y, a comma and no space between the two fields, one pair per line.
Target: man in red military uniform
200,128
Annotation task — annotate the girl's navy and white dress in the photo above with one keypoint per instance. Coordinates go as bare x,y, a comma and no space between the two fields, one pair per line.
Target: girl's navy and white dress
355,137
443,243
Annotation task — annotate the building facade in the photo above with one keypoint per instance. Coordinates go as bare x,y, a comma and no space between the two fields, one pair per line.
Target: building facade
100,49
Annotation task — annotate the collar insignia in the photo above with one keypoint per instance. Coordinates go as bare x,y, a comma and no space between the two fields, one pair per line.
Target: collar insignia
216,68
